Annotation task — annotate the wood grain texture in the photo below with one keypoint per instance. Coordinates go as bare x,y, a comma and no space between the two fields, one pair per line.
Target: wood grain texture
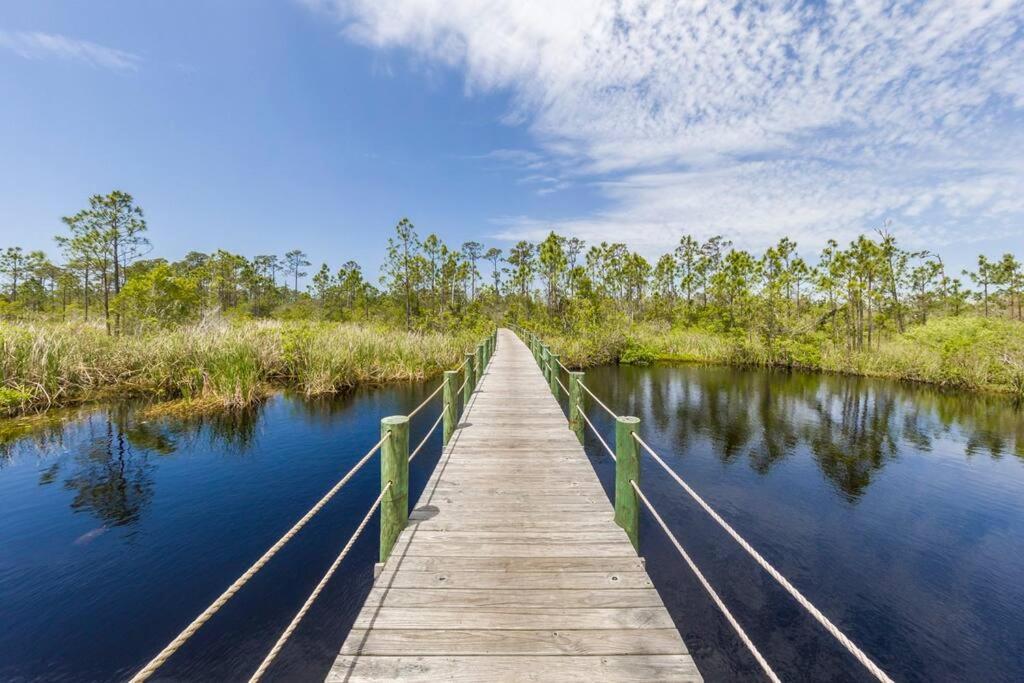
511,567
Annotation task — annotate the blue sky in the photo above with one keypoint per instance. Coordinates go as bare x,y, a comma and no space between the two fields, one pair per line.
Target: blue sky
265,126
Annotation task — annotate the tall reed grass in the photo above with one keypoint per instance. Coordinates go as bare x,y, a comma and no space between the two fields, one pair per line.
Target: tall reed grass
968,353
222,364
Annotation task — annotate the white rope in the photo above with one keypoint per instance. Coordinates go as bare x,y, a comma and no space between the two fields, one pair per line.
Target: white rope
269,659
426,401
561,385
597,434
707,586
189,630
773,572
424,441
599,402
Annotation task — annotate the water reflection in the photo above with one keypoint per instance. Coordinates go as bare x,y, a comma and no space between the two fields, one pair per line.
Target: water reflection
103,454
851,426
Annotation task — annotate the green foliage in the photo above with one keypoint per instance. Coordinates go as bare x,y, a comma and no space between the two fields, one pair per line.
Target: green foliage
636,353
158,298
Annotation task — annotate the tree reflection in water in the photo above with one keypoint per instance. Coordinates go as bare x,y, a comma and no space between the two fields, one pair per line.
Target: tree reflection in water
104,455
851,426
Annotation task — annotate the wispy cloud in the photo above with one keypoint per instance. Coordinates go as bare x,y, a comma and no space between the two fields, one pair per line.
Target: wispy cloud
36,45
749,119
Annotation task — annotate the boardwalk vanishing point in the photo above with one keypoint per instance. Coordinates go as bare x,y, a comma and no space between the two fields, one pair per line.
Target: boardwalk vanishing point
511,566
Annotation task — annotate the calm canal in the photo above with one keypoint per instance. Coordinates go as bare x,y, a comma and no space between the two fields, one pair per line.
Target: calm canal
898,510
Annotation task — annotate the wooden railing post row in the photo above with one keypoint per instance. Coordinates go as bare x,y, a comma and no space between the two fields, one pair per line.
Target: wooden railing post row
394,468
553,373
576,406
627,468
450,404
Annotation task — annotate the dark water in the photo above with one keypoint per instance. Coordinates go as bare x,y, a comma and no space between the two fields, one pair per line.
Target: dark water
116,532
898,510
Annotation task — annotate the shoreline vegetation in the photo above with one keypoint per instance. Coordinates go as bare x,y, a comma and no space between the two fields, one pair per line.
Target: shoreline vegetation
966,354
220,330
217,365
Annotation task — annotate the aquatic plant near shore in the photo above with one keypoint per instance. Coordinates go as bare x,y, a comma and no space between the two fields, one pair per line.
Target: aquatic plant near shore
212,364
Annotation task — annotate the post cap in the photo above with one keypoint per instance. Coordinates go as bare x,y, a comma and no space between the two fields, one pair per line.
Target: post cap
394,419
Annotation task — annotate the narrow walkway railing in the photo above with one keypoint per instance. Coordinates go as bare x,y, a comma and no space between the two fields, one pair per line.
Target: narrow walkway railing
629,496
393,501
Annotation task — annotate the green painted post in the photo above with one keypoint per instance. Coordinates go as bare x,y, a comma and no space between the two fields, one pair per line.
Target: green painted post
394,467
538,349
479,362
576,407
470,375
467,387
627,468
450,404
545,354
553,374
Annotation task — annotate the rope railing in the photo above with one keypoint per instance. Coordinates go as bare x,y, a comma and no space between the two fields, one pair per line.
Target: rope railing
707,587
423,442
483,354
627,467
198,622
599,401
293,624
598,435
436,391
843,640
427,400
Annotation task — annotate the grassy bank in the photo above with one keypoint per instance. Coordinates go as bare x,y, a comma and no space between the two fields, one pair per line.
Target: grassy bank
212,365
968,353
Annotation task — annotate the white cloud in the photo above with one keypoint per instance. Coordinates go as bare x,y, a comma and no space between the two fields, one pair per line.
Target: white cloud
36,45
754,119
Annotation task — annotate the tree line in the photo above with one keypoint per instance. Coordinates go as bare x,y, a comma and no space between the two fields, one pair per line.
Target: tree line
852,294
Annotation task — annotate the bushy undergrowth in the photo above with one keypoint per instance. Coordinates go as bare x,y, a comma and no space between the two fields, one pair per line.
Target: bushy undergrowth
978,354
222,364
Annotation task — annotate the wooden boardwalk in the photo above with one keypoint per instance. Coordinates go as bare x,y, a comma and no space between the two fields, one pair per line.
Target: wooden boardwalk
511,567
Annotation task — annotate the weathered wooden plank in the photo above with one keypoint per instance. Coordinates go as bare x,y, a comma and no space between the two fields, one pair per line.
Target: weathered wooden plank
520,564
512,567
470,549
399,642
512,596
355,669
525,580
514,618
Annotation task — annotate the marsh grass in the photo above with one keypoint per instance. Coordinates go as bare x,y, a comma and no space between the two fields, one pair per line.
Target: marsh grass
212,365
967,353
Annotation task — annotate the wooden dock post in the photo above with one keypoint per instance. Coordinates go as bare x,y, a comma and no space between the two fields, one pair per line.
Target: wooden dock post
394,468
627,468
576,406
545,362
467,386
553,374
450,404
479,362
